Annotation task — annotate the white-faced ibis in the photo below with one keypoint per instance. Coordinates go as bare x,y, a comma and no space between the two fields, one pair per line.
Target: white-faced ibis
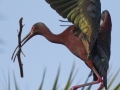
72,38
84,14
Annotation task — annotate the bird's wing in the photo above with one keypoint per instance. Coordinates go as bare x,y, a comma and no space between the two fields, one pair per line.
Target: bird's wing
104,38
103,47
84,14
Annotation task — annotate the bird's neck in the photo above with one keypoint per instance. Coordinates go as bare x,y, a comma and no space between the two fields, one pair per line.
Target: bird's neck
53,37
60,38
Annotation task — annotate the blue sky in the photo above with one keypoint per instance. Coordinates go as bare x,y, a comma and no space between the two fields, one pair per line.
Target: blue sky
39,52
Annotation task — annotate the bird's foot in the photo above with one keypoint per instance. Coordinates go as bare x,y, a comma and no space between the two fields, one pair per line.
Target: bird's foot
74,88
87,84
101,86
99,80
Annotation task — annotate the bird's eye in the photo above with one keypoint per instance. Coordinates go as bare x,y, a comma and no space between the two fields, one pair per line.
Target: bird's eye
32,28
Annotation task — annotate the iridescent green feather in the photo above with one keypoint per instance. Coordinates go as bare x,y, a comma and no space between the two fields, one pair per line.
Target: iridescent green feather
85,14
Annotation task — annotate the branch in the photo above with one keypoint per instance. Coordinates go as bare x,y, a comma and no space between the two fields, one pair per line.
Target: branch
19,50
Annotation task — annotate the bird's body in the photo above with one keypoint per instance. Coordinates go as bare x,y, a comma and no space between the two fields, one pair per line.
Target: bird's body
70,39
84,14
82,38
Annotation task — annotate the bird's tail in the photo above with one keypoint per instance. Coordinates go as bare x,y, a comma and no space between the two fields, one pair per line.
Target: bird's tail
105,82
101,70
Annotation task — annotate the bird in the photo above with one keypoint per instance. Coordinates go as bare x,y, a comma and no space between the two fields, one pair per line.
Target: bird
72,36
84,14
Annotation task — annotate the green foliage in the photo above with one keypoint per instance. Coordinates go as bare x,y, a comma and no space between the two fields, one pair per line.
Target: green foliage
117,87
69,82
71,77
41,85
56,80
113,79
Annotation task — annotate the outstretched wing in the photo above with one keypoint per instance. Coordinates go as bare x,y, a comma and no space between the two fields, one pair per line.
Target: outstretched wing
84,14
103,46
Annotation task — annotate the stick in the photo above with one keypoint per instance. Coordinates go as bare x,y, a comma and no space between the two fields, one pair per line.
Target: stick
19,44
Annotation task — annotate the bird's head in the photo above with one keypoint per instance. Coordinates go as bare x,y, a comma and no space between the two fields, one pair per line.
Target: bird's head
37,29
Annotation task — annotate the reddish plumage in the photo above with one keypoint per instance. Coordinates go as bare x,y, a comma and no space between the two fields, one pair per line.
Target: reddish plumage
68,38
72,39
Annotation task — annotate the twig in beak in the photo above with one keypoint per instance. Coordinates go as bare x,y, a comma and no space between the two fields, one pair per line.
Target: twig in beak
19,48
19,44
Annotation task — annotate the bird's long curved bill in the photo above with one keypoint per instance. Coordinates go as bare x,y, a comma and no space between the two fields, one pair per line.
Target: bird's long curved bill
23,41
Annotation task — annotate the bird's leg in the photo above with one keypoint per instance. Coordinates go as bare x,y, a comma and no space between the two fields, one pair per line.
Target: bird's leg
83,85
101,86
91,83
96,73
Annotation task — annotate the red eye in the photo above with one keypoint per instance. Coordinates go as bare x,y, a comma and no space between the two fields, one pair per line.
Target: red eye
32,28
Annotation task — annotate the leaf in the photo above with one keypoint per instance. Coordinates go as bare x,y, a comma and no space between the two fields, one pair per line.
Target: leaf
117,87
41,85
110,84
56,80
70,80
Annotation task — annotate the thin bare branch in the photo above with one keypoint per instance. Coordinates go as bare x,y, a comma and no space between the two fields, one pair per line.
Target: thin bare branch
18,54
19,45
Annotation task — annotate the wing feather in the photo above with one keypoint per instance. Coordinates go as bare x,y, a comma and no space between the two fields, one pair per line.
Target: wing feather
84,14
103,47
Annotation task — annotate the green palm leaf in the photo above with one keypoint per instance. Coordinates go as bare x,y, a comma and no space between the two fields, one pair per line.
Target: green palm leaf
56,80
113,79
41,85
117,87
70,79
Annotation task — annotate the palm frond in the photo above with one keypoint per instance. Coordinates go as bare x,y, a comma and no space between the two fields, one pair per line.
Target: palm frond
41,85
70,80
71,77
56,79
113,79
117,87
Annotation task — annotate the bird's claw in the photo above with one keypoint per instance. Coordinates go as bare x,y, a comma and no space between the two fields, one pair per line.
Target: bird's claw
101,86
73,88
